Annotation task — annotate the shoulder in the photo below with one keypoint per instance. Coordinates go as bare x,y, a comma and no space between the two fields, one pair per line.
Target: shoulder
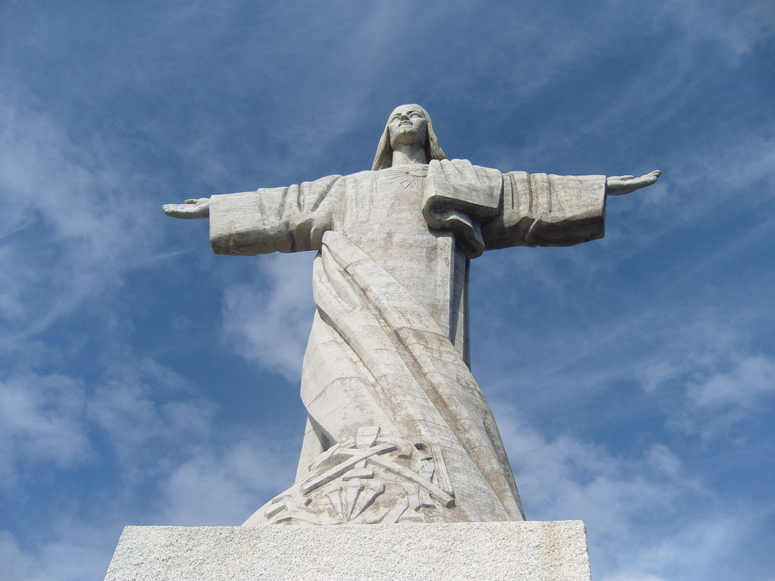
463,167
362,175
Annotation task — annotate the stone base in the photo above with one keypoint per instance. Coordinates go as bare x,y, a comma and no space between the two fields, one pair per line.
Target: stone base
492,551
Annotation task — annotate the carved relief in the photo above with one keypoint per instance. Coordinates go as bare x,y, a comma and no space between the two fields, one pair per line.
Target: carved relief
372,478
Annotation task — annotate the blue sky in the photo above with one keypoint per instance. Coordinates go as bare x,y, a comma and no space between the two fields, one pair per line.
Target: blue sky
144,380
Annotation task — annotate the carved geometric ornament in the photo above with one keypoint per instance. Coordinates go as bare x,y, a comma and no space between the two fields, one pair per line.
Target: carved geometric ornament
369,479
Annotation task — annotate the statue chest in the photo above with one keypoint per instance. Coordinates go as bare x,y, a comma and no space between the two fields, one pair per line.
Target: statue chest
383,217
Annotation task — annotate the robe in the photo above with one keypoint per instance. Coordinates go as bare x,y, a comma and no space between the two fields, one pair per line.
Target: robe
398,429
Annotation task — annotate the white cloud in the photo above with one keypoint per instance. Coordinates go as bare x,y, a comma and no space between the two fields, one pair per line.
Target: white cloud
215,484
705,369
640,511
71,227
562,478
225,486
751,378
736,26
269,321
14,564
150,416
694,548
41,420
75,220
176,464
68,551
698,358
632,576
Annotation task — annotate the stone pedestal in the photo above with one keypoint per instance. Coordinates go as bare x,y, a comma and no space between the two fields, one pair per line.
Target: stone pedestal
491,551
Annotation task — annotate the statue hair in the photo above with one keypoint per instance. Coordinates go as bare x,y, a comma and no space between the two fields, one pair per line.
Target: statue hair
384,157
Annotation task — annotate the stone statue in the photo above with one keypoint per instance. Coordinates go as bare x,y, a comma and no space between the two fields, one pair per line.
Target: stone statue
398,429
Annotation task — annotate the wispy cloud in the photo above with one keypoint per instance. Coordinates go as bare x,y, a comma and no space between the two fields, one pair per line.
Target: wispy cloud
563,476
695,549
613,366
149,417
623,501
750,378
41,421
224,486
69,231
79,551
172,462
269,320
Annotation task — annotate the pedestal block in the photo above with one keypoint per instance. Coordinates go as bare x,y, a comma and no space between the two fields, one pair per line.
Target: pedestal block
491,551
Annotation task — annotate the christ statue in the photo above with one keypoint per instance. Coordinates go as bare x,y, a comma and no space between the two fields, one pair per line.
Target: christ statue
397,428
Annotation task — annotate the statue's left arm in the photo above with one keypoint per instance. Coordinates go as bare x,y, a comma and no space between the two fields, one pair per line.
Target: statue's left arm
616,186
550,210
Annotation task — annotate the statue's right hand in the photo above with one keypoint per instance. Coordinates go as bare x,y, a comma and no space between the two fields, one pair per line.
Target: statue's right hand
189,210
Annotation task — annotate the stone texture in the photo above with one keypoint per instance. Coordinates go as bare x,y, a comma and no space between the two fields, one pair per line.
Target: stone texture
389,341
388,353
493,551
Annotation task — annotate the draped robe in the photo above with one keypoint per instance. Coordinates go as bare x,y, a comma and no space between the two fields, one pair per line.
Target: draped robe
388,356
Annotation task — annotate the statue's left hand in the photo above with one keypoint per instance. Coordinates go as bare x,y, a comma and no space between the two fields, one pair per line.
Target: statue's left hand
618,185
191,209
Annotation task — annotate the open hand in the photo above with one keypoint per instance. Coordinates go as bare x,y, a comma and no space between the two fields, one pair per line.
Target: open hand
618,185
189,210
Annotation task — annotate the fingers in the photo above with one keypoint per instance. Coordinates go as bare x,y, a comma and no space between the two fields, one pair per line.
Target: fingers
176,210
188,211
179,210
652,177
616,186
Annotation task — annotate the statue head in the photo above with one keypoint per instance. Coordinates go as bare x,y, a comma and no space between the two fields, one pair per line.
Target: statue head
406,123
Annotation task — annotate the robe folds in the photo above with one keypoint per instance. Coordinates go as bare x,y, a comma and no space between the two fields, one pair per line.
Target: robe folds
398,428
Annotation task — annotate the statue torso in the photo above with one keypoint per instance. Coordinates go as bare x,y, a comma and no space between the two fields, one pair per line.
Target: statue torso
382,215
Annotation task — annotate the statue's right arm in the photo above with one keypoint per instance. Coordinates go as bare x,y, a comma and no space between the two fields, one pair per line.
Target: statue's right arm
189,210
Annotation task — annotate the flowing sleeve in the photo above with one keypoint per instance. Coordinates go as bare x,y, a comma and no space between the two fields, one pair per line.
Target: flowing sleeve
289,219
547,210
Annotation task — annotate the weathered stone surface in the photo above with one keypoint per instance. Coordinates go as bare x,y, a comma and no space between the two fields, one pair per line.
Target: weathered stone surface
524,551
388,353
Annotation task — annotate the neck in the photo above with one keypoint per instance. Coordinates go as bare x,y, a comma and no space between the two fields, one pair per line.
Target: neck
405,154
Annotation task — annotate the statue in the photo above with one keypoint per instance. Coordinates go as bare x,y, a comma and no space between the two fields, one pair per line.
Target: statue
398,429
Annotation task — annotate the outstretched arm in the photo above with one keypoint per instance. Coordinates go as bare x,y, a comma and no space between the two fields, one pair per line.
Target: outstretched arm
618,185
288,219
189,210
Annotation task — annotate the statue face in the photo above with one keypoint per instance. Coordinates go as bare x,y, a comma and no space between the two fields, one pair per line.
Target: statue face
408,126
